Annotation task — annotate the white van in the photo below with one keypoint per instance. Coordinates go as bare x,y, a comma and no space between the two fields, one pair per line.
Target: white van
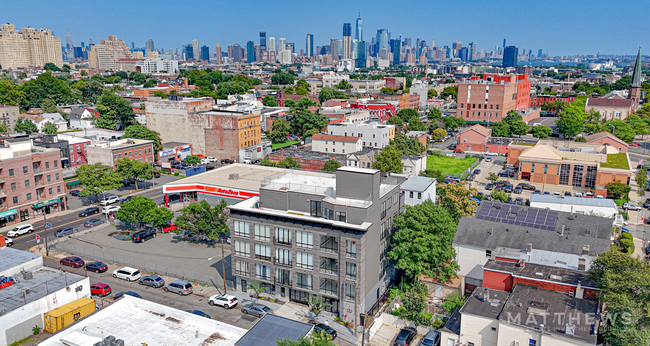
127,273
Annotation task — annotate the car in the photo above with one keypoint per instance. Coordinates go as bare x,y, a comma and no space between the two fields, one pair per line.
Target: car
491,153
109,200
75,193
258,310
508,188
224,300
557,193
169,228
431,339
630,206
97,267
93,222
199,312
20,230
405,336
519,201
9,242
546,193
489,186
578,194
567,194
62,232
517,190
526,186
109,209
100,289
127,293
126,182
500,188
127,273
450,181
142,236
488,159
228,161
477,171
326,329
635,144
453,177
181,287
469,177
72,261
89,211
156,174
537,192
126,199
509,166
154,281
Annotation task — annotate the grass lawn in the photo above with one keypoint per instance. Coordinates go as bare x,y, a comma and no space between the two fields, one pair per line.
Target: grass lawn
449,165
283,144
616,161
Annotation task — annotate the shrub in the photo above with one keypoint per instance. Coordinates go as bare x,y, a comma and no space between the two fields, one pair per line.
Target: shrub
625,216
177,174
627,245
626,235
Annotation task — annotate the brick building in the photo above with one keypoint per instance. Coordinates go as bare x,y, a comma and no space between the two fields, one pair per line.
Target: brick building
405,100
473,138
606,138
540,100
9,116
379,111
487,99
109,153
231,132
32,181
280,97
610,107
73,149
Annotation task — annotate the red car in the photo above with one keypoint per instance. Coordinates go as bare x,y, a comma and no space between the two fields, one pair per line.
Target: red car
100,289
635,144
169,228
74,262
458,151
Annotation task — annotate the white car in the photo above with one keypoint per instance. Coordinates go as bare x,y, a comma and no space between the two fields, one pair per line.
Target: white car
491,153
226,301
110,200
110,209
127,273
20,230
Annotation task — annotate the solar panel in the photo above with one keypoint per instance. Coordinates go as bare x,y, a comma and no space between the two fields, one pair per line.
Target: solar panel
517,215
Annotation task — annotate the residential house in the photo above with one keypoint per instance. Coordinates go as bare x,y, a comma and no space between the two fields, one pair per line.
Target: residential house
373,135
414,165
361,159
417,190
83,118
474,138
325,143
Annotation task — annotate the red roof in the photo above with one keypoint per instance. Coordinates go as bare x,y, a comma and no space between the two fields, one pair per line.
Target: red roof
605,102
325,137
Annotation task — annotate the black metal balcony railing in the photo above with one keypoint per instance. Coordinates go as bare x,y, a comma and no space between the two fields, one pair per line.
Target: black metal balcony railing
280,281
263,258
262,277
329,292
282,241
242,273
283,262
328,249
325,270
351,254
308,287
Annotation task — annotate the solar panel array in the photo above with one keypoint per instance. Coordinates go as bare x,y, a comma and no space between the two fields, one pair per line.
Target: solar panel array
518,215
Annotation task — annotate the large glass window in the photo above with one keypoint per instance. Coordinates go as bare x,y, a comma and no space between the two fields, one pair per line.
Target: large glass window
282,256
350,292
304,260
242,229
242,248
329,286
340,216
263,252
304,281
283,236
350,271
263,272
329,244
328,213
282,276
590,177
351,248
262,232
316,209
304,239
565,170
241,268
578,171
328,266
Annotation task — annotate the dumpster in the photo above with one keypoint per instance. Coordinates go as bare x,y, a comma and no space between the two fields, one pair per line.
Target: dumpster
66,315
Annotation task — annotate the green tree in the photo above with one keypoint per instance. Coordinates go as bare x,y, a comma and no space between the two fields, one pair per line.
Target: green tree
641,181
500,129
159,217
541,131
97,178
231,88
423,242
160,93
315,339
331,165
114,111
51,67
454,122
301,90
415,124
439,133
280,130
414,303
289,103
433,173
617,189
205,220
282,78
3,128
397,121
269,101
407,114
257,288
304,120
317,304
621,130
499,196
327,93
134,169
305,103
434,114
91,91
46,86
48,106
389,160
455,198
571,121
138,131
50,129
26,126
135,211
449,91
408,145
267,162
289,91
288,162
492,177
432,93
344,85
11,94
192,159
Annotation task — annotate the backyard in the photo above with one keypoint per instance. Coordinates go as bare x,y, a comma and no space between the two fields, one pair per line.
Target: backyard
283,144
449,165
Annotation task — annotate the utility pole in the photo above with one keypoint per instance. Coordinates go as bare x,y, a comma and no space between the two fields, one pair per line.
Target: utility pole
47,249
223,269
363,335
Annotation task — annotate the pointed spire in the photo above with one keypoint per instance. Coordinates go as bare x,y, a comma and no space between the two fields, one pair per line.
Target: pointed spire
636,75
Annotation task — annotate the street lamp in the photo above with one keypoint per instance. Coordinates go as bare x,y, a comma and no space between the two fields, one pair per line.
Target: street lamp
104,198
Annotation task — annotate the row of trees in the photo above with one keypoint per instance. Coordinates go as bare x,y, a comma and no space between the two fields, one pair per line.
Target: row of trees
97,178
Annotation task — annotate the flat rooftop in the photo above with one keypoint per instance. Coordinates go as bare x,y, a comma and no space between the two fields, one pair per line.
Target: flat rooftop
591,202
417,183
544,257
11,258
485,302
541,272
137,321
270,328
122,143
43,282
172,145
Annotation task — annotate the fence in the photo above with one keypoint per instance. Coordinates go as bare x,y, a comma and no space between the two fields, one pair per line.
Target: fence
143,265
470,168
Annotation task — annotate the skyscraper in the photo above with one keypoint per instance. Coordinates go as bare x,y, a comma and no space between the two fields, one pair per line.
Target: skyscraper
407,42
188,52
347,41
263,40
68,40
360,61
291,46
309,45
283,44
250,51
358,34
30,48
195,49
396,47
271,45
510,56
382,39
504,43
217,54
455,48
334,48
539,53
149,47
205,53
463,54
237,53
472,51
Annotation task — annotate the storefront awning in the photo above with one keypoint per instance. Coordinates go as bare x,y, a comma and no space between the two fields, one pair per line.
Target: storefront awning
72,182
8,213
43,204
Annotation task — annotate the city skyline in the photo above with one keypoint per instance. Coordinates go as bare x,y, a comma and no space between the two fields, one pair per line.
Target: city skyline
556,32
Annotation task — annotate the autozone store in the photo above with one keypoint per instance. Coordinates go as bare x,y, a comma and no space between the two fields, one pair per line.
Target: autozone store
213,194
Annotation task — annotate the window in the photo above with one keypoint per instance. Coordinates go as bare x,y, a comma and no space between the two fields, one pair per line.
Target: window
282,276
350,271
242,229
262,272
328,286
329,266
57,176
47,165
329,244
26,183
15,200
49,178
263,252
283,236
262,232
304,260
395,198
410,194
419,195
56,163
13,186
351,248
304,281
11,172
242,248
373,135
241,268
494,329
382,233
333,150
340,216
29,196
383,209
350,292
58,189
488,253
25,169
316,210
304,239
49,191
282,256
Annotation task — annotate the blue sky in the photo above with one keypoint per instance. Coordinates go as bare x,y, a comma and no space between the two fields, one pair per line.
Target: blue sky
557,27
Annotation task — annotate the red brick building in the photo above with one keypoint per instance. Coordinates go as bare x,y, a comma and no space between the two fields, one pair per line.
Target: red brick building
606,138
540,100
488,98
473,138
280,97
109,153
380,111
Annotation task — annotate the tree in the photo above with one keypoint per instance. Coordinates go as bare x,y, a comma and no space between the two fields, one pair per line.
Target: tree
160,93
50,129
641,181
26,126
280,130
519,128
46,86
288,162
304,120
449,91
617,189
269,101
159,217
407,114
397,121
439,133
327,93
192,159
3,128
257,288
48,106
455,198
317,304
454,122
204,220
11,94
414,304
622,130
91,91
433,173
136,210
500,129
231,88
408,145
133,169
114,111
434,114
432,93
492,177
138,131
305,103
51,67
571,121
289,91
423,242
415,124
541,131
289,103
97,178
265,161
389,160
331,165
282,78
499,196
344,85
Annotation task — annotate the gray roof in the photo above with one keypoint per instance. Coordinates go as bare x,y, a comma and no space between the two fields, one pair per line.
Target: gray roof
485,302
270,328
53,117
453,324
418,184
42,283
11,258
579,230
172,145
541,272
76,113
636,75
592,202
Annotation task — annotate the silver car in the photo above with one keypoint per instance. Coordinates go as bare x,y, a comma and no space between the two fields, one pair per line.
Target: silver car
258,310
154,281
181,287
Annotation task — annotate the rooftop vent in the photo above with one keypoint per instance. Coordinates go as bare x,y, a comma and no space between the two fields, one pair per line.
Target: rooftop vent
28,275
570,329
233,176
25,291
108,341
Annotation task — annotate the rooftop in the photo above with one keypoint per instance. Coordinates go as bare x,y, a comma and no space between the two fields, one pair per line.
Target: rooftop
137,321
453,324
485,302
172,145
72,139
326,137
609,102
270,328
122,143
544,257
13,261
541,272
416,183
592,202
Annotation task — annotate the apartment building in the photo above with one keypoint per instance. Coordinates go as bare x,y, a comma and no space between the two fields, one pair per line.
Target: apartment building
9,116
149,66
108,52
31,181
109,153
30,47
487,99
324,143
373,135
73,149
325,235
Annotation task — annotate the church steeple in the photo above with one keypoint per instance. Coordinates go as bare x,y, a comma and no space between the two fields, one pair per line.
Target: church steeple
636,75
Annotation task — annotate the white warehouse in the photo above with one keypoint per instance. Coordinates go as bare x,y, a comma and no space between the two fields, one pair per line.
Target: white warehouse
587,206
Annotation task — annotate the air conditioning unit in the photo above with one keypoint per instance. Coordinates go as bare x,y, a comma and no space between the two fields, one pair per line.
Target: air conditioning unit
25,291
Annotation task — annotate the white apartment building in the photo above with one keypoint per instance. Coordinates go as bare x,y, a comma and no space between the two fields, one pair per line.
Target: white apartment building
107,53
30,47
332,80
373,135
417,190
157,65
324,143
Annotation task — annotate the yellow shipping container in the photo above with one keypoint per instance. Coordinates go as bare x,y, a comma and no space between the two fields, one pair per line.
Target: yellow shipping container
66,315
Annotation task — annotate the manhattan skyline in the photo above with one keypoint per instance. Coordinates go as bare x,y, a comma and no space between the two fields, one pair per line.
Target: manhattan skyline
556,27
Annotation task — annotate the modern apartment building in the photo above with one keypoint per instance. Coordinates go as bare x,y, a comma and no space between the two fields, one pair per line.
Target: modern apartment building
107,53
73,149
372,135
324,143
325,235
31,181
109,153
487,99
30,47
9,116
157,65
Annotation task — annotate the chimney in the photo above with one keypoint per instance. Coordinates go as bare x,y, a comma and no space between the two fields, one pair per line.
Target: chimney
529,248
585,249
582,264
580,292
521,263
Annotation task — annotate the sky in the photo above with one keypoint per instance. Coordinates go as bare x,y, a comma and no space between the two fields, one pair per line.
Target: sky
557,27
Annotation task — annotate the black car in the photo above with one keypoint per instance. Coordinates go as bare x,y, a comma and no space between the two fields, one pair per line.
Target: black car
142,236
97,267
477,171
489,186
470,177
326,329
93,222
527,186
519,201
89,211
126,199
508,188
405,336
646,204
126,182
517,189
227,161
76,193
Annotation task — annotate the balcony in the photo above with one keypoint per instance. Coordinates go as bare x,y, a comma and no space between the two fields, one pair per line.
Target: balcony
41,197
281,281
242,273
282,241
350,254
3,194
329,244
36,158
38,171
263,258
262,277
283,262
39,183
329,292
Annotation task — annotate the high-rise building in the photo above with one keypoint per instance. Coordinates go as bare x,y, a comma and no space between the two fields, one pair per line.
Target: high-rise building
334,48
407,42
196,51
291,46
309,45
282,44
504,44
107,53
188,52
250,51
339,48
455,47
510,56
230,51
78,52
433,44
217,54
463,54
263,40
382,39
205,53
361,54
237,53
68,40
347,41
271,45
472,51
358,33
30,47
149,47
530,53
396,48
539,53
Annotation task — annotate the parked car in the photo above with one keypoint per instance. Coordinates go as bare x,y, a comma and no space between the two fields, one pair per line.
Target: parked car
109,200
405,336
517,189
154,281
9,242
470,177
457,150
126,182
557,193
20,230
519,201
75,193
156,174
110,209
227,161
89,211
491,153
126,199
646,204
73,261
169,228
477,171
453,177
127,273
546,193
181,287
199,312
635,144
489,186
100,289
630,206
128,293
431,339
93,222
326,329
578,194
537,192
224,300
142,236
62,232
97,267
526,186
567,194
488,159
258,310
